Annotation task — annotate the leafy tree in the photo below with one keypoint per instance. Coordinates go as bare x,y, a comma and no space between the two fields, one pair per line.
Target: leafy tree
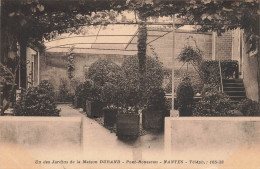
104,71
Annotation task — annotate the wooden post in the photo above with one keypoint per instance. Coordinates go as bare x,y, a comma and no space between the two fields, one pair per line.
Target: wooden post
173,112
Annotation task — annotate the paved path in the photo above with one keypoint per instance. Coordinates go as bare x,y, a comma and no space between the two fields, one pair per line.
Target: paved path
100,142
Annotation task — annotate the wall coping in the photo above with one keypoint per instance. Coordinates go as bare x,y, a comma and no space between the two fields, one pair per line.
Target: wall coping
39,118
213,118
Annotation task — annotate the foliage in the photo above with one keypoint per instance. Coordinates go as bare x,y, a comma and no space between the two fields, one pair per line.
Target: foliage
85,90
110,95
155,99
48,17
6,75
152,78
64,93
185,96
249,107
229,69
129,96
190,55
74,82
196,82
104,71
153,75
37,101
45,84
71,66
141,45
213,103
209,71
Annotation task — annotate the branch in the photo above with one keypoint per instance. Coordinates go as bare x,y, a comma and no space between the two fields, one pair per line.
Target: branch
8,70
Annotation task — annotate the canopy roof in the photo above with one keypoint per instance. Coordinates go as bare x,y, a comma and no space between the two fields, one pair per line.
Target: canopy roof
115,38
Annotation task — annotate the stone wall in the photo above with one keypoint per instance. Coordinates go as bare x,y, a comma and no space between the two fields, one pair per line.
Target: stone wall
224,46
54,65
250,67
210,136
51,132
163,46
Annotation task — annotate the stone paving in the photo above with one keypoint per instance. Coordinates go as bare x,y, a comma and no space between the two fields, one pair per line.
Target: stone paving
99,140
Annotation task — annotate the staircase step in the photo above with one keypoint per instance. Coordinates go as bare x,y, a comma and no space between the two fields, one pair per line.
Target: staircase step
237,98
236,93
232,80
233,85
233,89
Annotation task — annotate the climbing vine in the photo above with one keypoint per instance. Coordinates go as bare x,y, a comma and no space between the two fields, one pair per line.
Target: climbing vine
142,38
71,66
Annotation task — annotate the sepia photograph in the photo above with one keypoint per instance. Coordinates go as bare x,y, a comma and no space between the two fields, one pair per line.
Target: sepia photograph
129,84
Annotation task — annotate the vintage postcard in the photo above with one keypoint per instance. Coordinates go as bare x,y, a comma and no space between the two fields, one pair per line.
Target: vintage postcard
130,84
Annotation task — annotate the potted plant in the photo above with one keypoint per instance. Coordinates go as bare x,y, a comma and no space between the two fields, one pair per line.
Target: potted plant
155,110
185,96
128,118
109,98
79,94
93,102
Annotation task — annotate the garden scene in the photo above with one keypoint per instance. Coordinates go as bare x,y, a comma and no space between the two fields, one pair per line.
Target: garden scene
127,77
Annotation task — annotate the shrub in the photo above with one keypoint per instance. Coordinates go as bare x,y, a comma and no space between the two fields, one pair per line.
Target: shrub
110,95
155,99
87,91
153,78
196,82
213,103
185,96
64,94
129,97
37,101
45,84
249,107
74,83
209,71
103,71
229,69
153,74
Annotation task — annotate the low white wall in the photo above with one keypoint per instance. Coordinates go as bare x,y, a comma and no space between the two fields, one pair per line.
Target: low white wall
52,132
210,133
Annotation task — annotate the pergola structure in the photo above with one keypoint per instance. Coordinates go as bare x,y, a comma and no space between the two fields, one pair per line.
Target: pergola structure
119,38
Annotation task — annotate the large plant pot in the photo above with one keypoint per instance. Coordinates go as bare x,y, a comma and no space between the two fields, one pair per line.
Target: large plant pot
109,116
94,109
78,102
128,125
153,119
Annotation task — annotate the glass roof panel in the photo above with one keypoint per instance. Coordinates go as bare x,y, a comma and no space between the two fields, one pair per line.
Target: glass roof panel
123,37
